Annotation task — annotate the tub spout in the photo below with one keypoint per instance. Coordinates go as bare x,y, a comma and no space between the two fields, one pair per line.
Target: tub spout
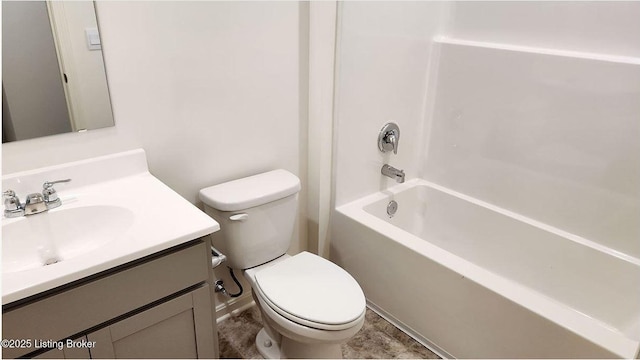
390,171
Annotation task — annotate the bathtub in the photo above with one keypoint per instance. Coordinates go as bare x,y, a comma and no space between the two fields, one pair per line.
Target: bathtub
469,279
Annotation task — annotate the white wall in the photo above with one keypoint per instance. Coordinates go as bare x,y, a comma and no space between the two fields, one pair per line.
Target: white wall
209,89
322,47
384,52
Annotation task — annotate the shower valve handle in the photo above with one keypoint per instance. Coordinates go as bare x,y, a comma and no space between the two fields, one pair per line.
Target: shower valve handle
389,137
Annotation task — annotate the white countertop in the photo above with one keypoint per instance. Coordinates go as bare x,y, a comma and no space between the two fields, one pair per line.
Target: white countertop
162,218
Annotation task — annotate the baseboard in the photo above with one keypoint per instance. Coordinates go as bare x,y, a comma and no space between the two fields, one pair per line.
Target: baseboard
233,306
409,331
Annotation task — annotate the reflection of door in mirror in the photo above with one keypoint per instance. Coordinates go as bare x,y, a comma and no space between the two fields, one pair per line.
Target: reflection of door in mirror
53,72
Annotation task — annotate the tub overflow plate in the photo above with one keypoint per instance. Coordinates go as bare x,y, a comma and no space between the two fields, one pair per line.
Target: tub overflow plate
392,208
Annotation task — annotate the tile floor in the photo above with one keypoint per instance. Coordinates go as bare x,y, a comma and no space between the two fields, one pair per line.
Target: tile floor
378,339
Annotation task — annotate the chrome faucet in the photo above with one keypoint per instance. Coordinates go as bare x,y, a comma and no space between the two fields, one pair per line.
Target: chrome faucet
390,171
35,203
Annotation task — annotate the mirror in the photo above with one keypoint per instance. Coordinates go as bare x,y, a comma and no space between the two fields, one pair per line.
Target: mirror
53,75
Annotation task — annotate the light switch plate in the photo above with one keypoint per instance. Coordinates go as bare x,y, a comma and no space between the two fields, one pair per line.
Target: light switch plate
93,39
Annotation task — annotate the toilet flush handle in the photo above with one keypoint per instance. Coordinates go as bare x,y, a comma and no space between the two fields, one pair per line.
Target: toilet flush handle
239,217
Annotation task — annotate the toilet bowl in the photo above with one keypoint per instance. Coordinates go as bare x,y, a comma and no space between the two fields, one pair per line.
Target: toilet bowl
309,305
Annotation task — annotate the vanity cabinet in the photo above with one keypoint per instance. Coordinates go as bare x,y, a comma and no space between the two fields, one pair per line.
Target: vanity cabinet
66,352
156,307
169,330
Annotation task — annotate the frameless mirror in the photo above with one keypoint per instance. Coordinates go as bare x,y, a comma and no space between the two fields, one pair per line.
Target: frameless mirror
53,75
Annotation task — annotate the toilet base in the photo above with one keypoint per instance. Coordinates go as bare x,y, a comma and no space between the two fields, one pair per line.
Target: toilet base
267,347
291,349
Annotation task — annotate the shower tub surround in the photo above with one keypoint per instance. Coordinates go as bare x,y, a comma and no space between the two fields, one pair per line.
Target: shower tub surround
518,235
470,279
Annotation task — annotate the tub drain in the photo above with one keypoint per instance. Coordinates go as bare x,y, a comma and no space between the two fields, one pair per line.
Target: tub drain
392,208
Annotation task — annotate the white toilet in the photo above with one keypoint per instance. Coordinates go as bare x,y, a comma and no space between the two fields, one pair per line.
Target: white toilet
309,305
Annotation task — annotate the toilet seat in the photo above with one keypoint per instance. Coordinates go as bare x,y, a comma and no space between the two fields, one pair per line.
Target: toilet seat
311,291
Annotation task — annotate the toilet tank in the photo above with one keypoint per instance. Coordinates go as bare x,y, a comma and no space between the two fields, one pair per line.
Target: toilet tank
256,216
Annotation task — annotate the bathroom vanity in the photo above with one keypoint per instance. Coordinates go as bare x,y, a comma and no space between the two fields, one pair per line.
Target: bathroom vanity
122,269
156,307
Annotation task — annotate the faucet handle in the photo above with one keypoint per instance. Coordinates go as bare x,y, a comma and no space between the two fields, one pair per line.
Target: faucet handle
12,205
50,195
11,201
391,142
49,184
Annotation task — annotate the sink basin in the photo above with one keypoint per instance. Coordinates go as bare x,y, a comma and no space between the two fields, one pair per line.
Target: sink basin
113,212
61,234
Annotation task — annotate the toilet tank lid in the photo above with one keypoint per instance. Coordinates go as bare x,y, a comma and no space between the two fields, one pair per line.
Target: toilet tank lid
251,191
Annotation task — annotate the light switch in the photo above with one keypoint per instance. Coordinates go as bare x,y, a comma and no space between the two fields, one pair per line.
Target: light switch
93,39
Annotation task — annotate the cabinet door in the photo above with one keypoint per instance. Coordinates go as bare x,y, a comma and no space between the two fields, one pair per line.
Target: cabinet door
179,328
66,352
